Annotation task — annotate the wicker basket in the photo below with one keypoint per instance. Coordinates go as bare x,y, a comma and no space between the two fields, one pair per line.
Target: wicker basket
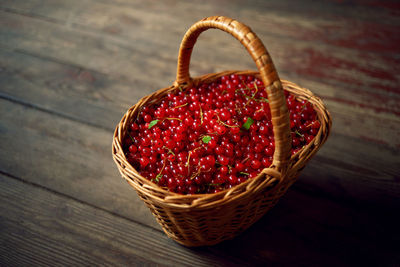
207,219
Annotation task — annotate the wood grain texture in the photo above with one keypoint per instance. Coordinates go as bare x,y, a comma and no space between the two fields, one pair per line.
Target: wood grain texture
356,172
67,157
325,21
70,91
43,227
39,227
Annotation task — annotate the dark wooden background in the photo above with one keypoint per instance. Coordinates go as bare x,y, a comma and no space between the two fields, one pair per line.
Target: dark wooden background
70,69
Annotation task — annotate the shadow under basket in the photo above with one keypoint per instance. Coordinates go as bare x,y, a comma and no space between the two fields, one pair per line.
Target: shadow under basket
207,219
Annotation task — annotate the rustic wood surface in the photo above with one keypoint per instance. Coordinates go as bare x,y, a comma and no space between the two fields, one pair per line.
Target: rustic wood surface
70,69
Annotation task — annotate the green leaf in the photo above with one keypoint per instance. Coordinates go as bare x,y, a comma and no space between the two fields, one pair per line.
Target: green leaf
206,139
152,123
248,123
264,99
158,177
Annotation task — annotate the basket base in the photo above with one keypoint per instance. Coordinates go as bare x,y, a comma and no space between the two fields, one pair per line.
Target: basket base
206,227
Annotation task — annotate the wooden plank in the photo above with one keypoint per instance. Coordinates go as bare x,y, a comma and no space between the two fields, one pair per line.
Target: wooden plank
333,29
66,156
332,228
352,68
39,227
363,10
71,91
42,227
374,29
88,50
268,19
355,170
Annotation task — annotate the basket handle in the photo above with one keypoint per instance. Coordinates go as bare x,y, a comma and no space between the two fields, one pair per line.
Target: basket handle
276,97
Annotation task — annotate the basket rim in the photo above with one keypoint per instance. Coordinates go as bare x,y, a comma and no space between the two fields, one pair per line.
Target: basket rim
196,199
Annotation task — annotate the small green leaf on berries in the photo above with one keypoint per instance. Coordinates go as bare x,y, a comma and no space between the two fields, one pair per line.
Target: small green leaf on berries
152,123
264,99
248,123
244,173
206,139
157,179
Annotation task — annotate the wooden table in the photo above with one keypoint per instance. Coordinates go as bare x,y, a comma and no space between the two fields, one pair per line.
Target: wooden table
70,69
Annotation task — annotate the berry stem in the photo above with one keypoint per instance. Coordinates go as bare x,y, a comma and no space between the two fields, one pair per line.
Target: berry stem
223,123
190,152
213,184
252,96
195,174
130,136
246,159
169,150
298,133
201,116
182,105
159,175
305,104
173,119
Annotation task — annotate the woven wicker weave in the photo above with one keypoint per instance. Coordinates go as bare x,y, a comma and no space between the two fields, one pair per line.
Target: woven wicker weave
207,219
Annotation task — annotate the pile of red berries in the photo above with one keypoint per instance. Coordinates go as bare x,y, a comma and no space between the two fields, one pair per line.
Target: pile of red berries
209,138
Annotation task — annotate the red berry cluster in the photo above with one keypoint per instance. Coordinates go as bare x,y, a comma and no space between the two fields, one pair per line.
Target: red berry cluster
209,138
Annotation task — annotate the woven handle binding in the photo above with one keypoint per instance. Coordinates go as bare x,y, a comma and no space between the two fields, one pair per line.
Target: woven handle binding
276,97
